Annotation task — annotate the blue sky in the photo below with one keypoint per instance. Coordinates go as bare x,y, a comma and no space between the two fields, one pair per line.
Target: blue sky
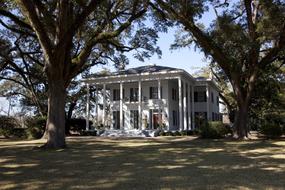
186,58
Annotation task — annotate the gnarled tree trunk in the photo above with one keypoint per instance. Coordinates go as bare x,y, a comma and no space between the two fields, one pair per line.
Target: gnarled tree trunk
55,128
241,118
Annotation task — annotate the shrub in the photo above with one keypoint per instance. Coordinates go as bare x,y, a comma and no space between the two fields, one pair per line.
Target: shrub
176,133
78,124
162,133
214,129
271,130
35,127
20,133
169,133
88,133
187,133
7,126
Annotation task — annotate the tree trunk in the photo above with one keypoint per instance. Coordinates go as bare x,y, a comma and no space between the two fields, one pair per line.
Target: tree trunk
55,129
241,118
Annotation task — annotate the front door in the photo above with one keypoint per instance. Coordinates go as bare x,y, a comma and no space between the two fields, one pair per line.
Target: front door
134,119
156,118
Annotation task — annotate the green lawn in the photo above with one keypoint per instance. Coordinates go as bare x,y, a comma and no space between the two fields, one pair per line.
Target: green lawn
151,163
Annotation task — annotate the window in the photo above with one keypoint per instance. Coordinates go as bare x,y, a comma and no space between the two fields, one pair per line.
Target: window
213,116
174,94
116,119
134,94
153,93
200,96
135,119
212,97
116,94
217,100
175,118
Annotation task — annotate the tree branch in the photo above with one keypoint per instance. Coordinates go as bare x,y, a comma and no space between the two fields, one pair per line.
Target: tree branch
13,80
80,60
15,19
204,41
16,30
273,53
38,27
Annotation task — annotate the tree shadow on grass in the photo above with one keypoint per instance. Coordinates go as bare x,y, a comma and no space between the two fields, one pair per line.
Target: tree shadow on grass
106,163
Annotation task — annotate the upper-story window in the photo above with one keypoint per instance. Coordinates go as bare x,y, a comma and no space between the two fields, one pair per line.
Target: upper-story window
153,92
200,96
116,94
134,94
217,100
212,97
174,94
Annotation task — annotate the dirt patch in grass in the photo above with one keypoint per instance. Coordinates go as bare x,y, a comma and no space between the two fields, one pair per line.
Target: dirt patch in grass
143,163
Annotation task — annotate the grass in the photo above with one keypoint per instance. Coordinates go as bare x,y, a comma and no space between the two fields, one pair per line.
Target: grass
152,163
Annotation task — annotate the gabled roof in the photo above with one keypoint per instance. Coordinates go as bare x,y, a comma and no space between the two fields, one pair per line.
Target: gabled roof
203,81
146,69
147,72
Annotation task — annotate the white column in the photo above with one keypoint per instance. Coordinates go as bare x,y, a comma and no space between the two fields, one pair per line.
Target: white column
180,104
121,106
159,100
97,107
189,107
184,106
208,101
104,105
111,111
87,107
193,108
140,104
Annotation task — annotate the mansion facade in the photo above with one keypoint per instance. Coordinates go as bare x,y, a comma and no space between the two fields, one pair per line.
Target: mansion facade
151,97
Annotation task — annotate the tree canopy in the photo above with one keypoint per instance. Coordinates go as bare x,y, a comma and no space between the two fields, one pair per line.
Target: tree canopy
244,38
65,38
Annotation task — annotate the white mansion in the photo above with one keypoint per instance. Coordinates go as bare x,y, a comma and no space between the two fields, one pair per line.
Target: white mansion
153,96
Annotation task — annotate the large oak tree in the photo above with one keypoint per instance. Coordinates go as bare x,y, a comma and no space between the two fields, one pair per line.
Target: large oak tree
243,39
70,35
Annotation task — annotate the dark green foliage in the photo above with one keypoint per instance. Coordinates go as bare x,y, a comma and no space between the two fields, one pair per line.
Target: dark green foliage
35,127
176,133
165,133
272,126
78,124
19,133
88,133
214,130
162,133
271,130
187,133
183,133
169,133
7,126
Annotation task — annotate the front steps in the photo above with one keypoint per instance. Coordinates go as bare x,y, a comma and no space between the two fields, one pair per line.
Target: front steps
128,133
